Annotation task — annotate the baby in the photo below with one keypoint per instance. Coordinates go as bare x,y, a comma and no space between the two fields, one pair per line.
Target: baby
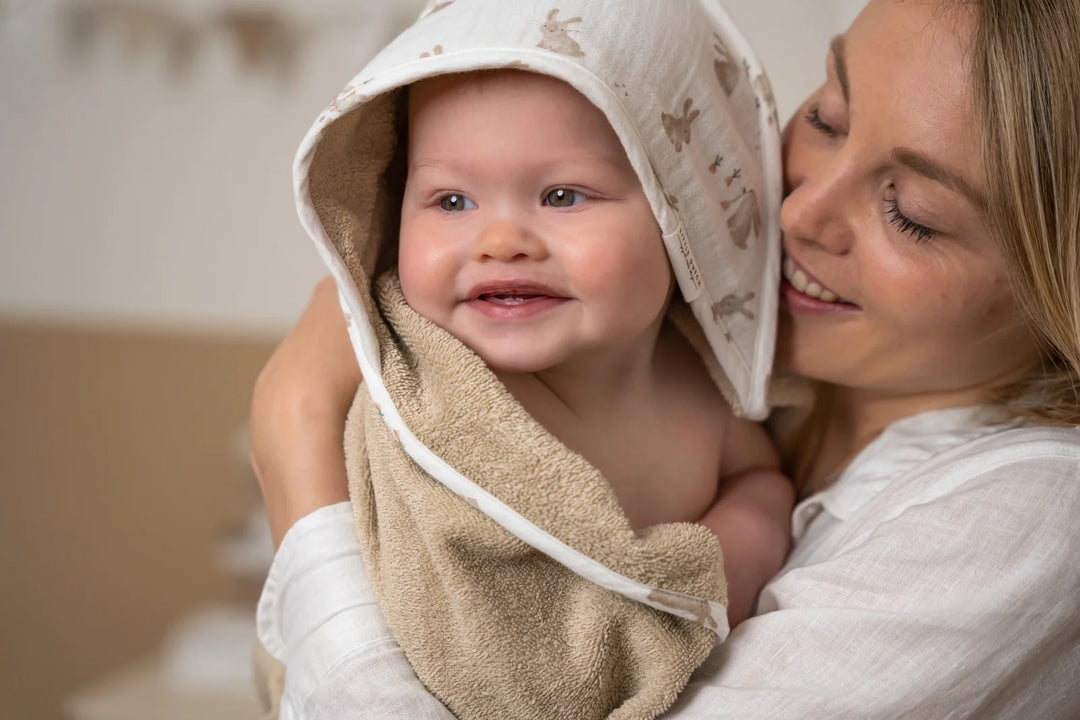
525,233
544,453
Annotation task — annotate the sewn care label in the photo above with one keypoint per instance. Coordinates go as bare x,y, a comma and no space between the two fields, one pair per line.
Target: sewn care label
683,263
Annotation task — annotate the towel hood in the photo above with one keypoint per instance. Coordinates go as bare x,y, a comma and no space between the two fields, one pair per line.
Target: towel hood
686,97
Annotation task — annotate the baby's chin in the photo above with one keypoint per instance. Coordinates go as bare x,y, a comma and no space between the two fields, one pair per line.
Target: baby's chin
505,368
507,365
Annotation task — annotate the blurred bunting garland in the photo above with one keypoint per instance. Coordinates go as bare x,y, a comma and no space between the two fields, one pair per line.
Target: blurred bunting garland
264,38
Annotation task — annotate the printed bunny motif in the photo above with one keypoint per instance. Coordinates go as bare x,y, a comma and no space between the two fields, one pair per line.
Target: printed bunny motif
746,220
556,36
678,126
733,305
728,71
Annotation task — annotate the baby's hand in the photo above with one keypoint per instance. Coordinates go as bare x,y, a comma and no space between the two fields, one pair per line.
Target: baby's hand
752,520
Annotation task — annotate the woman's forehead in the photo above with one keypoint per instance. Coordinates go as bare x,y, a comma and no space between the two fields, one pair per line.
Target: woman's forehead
932,26
905,66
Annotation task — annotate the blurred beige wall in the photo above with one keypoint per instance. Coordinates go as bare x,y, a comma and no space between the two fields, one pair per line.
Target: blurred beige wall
129,194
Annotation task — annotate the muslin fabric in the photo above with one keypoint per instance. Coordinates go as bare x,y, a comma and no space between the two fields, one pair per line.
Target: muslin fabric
689,101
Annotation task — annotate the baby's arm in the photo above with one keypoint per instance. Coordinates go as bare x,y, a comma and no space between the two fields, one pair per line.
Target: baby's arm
751,516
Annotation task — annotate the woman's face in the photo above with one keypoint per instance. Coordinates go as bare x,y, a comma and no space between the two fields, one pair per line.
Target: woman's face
893,283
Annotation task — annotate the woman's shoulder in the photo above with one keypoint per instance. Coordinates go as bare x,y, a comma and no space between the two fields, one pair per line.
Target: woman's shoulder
1018,468
1024,470
975,498
936,451
1012,446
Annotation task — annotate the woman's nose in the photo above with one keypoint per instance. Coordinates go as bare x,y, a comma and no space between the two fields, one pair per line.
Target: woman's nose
506,240
818,203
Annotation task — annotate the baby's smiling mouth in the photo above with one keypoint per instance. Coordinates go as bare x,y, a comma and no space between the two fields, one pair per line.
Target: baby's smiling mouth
509,299
513,292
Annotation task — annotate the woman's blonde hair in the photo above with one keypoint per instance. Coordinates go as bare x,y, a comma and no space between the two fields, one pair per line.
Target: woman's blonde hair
1026,65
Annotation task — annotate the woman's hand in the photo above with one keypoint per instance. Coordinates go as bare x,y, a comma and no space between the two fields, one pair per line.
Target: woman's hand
298,414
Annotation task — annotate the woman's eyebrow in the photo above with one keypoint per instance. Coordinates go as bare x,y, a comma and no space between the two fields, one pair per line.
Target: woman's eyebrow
929,169
839,62
909,158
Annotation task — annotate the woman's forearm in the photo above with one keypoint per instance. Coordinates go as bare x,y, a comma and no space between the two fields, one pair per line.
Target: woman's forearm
298,411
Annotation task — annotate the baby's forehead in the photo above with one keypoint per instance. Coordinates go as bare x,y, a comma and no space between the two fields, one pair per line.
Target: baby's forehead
488,99
514,85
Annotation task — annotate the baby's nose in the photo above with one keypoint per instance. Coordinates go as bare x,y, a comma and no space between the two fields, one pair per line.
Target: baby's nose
507,241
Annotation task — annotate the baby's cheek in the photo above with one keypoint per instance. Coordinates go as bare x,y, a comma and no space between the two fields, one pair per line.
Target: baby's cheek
418,282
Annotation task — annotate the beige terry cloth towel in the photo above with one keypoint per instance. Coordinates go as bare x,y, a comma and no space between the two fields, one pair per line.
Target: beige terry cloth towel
492,626
504,565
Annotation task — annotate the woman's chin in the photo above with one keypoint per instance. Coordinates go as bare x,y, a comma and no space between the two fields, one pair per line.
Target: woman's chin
797,352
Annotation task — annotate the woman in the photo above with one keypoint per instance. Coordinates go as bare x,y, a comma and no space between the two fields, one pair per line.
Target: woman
932,240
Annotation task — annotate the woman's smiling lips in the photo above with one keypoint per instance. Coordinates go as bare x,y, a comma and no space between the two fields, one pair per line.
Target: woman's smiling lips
513,299
803,293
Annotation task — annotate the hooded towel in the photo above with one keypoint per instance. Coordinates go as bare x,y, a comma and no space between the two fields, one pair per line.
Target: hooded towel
502,560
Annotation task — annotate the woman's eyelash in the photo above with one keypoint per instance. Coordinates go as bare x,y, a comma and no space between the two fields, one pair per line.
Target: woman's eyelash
813,118
904,224
907,226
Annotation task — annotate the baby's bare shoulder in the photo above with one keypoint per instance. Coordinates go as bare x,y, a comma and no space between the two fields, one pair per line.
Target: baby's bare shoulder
706,422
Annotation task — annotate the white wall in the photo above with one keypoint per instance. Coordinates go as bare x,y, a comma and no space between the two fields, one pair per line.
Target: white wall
129,196
791,37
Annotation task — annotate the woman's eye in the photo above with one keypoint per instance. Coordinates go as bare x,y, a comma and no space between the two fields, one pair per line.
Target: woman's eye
456,203
813,119
564,197
905,225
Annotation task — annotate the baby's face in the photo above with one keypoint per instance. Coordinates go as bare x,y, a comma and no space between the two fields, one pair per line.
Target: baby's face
524,229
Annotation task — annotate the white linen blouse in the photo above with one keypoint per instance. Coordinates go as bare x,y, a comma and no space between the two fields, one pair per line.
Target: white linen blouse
937,578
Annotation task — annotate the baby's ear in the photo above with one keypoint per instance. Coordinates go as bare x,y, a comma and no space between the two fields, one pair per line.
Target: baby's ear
552,14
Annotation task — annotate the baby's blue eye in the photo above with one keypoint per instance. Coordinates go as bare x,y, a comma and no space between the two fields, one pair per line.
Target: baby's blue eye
456,203
564,197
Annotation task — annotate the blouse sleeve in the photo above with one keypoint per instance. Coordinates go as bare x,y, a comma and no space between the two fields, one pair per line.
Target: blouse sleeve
318,616
958,605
